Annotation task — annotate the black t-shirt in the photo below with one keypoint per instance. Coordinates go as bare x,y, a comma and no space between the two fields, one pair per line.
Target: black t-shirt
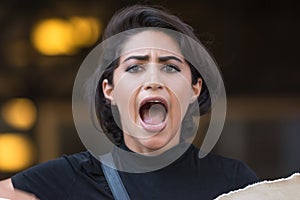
80,176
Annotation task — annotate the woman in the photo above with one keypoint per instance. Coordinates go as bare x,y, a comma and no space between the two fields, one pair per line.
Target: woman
153,88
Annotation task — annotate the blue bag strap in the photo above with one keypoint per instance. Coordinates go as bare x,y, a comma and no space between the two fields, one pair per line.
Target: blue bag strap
113,178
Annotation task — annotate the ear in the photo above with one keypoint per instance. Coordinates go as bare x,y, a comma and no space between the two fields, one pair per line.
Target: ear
108,91
196,89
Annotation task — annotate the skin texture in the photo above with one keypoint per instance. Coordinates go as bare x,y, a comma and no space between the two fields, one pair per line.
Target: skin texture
7,191
151,67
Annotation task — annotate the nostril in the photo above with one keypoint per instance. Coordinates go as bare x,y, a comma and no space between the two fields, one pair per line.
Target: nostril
160,86
153,86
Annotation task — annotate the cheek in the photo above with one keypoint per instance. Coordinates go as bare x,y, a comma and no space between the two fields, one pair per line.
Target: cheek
181,99
180,86
125,91
181,91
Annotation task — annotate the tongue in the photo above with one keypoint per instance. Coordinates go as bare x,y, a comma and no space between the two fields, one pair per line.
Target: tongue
154,115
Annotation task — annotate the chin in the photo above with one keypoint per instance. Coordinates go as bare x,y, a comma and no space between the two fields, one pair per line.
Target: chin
153,144
159,142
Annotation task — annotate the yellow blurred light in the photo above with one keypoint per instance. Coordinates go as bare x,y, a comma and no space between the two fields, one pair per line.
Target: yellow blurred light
53,37
16,152
19,113
64,37
86,31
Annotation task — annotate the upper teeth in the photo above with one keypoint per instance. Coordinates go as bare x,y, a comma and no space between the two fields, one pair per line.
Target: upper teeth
155,101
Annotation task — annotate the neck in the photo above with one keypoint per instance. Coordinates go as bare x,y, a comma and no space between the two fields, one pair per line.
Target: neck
149,146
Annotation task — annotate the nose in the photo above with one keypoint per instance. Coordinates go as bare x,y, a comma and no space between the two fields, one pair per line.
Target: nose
153,81
153,85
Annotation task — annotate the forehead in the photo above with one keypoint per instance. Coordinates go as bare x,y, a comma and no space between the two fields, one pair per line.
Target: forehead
150,39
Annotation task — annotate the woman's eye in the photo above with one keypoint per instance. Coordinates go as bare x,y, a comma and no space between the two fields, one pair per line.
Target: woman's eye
170,68
134,68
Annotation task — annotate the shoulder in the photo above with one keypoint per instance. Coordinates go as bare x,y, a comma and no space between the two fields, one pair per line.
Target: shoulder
65,164
229,164
80,160
233,171
55,175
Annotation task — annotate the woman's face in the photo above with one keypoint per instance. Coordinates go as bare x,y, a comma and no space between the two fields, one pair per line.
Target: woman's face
152,90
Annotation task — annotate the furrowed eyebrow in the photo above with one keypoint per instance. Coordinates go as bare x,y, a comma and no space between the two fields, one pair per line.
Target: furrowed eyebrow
145,57
166,58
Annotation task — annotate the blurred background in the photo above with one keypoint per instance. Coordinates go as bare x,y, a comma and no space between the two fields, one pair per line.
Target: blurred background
255,43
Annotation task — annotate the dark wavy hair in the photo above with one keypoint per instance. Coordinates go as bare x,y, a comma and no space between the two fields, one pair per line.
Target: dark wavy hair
141,16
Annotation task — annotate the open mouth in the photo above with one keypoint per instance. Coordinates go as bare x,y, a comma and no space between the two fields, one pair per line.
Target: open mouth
153,114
